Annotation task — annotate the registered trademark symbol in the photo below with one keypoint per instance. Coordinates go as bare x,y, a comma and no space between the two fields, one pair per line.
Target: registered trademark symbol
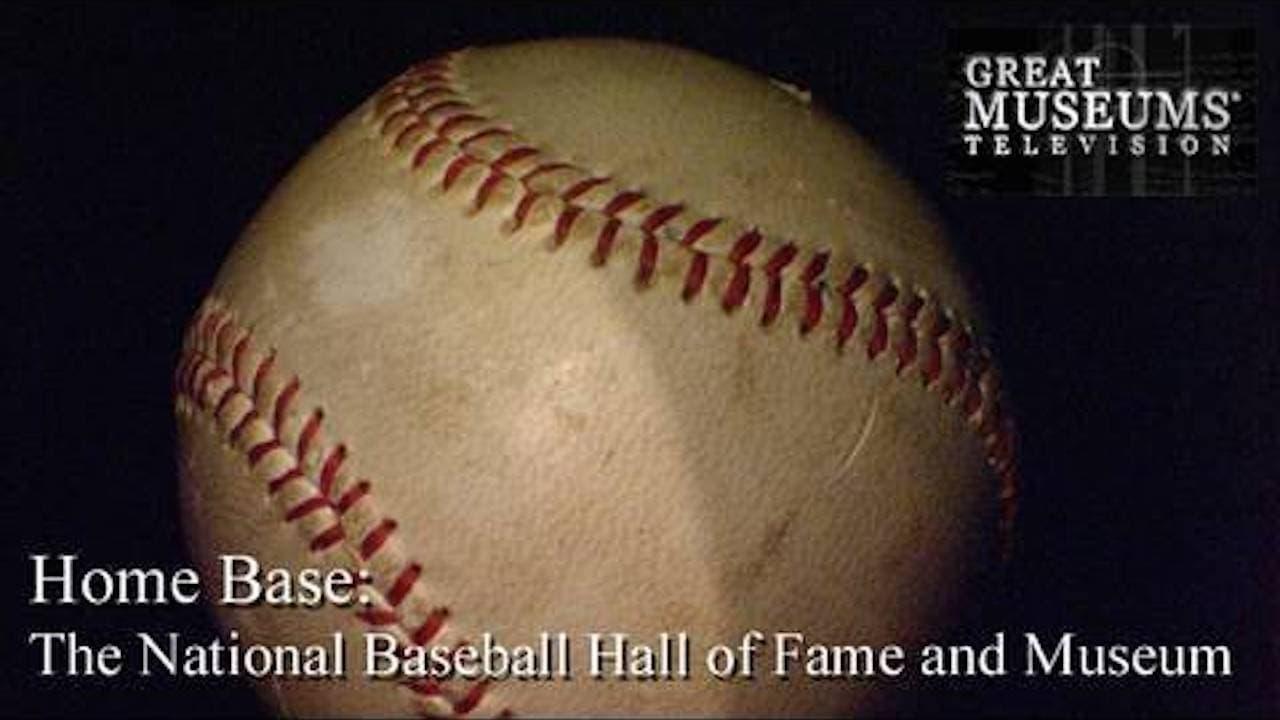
1235,96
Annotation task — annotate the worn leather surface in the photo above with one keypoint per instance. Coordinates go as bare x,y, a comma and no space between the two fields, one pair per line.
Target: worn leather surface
564,451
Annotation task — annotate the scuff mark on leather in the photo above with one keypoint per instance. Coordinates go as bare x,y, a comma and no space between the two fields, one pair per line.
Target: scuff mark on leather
868,424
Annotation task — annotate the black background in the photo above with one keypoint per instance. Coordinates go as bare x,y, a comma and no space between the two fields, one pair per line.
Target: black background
1139,336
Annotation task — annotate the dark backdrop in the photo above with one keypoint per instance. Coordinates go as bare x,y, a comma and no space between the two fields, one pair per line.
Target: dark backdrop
1139,336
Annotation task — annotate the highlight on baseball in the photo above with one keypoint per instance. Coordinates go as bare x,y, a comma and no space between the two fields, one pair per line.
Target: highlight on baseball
588,377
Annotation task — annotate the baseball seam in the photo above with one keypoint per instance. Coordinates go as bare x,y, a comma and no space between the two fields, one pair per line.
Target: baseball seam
427,119
312,482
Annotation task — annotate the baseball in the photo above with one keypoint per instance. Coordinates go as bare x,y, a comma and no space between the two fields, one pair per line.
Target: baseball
607,350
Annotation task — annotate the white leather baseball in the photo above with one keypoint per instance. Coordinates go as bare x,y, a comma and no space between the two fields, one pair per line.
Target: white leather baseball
594,336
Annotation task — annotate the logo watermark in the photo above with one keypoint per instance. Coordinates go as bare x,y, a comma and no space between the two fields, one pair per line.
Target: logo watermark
1103,111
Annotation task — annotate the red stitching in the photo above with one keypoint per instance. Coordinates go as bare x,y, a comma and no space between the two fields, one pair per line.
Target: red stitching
237,360
660,217
397,116
220,342
352,496
403,584
327,539
773,293
848,320
180,375
376,538
308,434
648,260
210,323
194,380
435,109
189,382
430,627
262,449
908,347
565,222
223,401
409,130
745,245
288,476
812,314
487,187
522,210
849,309
604,243
781,259
448,125
425,93
306,507
857,278
455,169
543,169
698,229
931,369
972,399
513,156
812,309
264,367
486,133
695,277
393,95
431,77
960,344
198,369
736,293
329,471
201,395
283,400
880,332
236,431
424,153
622,201
816,267
582,187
